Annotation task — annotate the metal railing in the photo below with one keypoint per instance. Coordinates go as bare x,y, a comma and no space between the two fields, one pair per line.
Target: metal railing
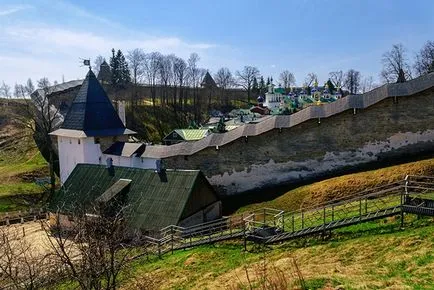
269,225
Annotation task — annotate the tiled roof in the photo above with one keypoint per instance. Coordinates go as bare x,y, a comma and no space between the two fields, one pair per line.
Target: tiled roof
155,200
92,112
125,149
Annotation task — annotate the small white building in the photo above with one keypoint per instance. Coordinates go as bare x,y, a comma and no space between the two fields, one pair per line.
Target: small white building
93,133
273,98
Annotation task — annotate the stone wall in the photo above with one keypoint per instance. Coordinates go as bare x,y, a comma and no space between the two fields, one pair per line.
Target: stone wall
392,128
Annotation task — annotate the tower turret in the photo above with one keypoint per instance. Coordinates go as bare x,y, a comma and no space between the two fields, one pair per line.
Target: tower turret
90,126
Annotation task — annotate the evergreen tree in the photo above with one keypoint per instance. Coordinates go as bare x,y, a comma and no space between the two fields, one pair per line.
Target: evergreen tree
119,69
331,86
255,88
262,88
271,80
114,67
268,81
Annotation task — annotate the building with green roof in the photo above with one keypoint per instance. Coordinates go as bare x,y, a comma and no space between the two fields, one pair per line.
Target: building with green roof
185,135
152,200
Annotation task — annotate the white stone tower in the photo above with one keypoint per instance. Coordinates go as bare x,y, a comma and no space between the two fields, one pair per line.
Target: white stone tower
90,126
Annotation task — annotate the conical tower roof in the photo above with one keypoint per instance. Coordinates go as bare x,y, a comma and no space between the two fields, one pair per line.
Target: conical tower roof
92,111
208,81
104,74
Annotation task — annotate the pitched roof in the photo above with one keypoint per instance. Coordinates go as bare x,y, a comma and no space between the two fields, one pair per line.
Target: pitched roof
125,149
208,81
191,134
155,200
92,112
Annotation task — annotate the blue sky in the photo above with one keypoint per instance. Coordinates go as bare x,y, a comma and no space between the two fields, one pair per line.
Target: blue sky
46,38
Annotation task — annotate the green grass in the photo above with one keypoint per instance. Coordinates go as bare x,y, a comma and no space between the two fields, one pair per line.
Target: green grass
373,255
20,164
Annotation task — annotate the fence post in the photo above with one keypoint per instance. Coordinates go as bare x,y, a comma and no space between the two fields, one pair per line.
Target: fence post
244,235
283,222
402,210
264,217
324,216
302,219
230,226
333,213
171,236
159,249
293,223
360,209
366,205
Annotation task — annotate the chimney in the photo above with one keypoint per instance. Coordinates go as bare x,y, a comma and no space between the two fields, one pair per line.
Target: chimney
121,111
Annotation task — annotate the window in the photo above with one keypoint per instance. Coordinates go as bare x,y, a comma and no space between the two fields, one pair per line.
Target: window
97,140
175,135
79,142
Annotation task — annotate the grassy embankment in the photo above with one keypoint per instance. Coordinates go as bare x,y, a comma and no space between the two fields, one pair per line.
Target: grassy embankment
20,164
375,255
343,186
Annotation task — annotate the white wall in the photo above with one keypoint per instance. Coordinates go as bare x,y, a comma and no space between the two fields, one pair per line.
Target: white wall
70,153
84,150
136,162
272,101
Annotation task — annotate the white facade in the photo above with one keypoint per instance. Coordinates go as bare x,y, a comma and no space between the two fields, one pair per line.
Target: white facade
73,150
273,100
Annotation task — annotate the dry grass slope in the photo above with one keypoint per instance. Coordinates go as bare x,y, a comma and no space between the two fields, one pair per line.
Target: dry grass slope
344,186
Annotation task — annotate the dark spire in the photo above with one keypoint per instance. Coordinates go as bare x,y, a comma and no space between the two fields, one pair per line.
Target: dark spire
104,74
208,81
92,112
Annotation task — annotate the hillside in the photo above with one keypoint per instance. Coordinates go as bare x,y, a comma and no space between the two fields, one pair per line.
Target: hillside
343,186
20,164
376,255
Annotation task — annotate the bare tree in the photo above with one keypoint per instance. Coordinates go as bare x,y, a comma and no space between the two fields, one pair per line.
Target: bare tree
97,64
224,80
337,78
352,81
194,74
136,59
41,115
21,265
5,90
425,59
20,91
245,79
367,84
311,78
287,79
166,75
95,247
151,68
395,65
179,73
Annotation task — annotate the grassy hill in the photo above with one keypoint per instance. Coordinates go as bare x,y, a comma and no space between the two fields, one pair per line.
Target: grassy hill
20,164
343,186
376,255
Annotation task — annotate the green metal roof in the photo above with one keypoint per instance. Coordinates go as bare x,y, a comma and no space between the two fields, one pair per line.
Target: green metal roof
279,90
154,200
192,134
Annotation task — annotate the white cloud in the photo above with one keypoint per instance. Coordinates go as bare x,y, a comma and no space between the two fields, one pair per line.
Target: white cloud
55,51
14,9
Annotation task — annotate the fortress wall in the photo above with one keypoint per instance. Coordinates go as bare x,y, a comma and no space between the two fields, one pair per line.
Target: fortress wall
308,150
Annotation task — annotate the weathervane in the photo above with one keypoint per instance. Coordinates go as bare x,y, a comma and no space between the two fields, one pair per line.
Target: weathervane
85,62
